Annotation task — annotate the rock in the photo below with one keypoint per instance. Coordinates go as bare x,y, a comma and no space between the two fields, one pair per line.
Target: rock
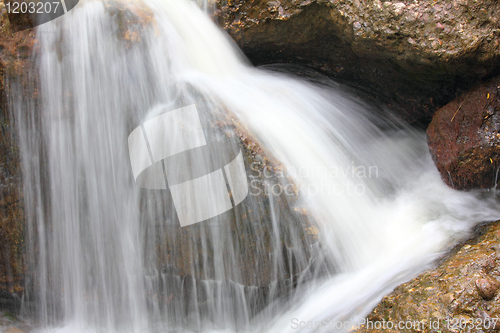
263,248
267,229
463,287
246,231
133,18
14,330
413,55
464,138
15,49
487,287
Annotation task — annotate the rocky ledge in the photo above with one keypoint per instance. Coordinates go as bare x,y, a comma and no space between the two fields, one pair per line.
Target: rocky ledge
412,55
464,138
460,295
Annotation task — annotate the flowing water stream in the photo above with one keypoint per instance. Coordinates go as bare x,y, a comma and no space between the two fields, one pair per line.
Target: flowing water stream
380,212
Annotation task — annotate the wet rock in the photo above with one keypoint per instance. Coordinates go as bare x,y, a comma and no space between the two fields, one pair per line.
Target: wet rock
260,250
10,323
133,18
413,55
265,230
16,22
487,287
264,244
459,294
15,49
464,138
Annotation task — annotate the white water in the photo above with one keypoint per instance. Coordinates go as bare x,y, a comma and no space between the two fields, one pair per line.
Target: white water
95,263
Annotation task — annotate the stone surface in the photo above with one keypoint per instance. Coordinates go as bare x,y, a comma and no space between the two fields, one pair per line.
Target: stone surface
463,287
15,49
464,138
413,55
133,18
17,74
264,243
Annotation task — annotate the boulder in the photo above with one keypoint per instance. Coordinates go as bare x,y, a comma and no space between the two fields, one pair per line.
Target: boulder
412,55
266,243
460,294
464,138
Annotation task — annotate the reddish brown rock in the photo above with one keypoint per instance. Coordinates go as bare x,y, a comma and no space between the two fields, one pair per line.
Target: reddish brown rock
464,138
487,287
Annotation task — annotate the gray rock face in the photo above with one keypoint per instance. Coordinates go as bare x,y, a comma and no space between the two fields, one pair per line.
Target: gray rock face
413,55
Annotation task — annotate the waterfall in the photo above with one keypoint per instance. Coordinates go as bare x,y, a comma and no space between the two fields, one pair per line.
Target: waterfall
343,200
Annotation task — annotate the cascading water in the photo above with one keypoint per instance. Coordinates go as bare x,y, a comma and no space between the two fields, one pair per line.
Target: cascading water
108,256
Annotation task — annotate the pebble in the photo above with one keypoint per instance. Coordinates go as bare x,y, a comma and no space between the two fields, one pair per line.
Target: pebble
487,287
